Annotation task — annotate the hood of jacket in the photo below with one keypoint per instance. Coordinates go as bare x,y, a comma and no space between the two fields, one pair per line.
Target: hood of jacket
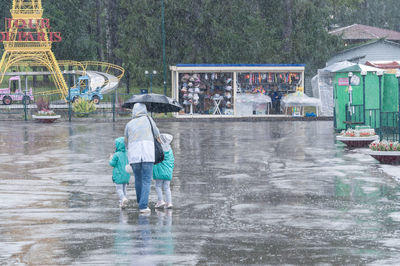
139,109
166,140
120,144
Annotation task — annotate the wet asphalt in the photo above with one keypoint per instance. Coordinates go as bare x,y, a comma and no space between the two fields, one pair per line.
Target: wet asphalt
244,193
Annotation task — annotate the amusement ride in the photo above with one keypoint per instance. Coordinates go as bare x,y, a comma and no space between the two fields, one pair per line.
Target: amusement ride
28,42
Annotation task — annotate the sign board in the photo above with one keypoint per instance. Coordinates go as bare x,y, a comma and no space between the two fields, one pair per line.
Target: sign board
343,81
30,35
355,80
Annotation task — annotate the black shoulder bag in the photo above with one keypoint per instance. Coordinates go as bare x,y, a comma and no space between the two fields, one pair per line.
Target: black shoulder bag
158,151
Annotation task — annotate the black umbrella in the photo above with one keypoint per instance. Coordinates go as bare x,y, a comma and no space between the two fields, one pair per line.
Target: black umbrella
154,102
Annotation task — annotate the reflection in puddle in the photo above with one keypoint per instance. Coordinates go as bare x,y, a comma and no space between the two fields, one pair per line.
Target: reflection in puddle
245,193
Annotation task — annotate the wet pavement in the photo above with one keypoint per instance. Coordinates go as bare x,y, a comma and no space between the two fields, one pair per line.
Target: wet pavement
244,193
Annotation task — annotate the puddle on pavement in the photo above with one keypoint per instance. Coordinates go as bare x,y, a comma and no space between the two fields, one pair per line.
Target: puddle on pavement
244,193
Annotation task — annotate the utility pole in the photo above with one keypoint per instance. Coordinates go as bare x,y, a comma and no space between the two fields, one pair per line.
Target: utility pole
163,40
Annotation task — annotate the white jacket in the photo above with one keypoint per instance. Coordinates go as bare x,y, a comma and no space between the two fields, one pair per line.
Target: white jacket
140,141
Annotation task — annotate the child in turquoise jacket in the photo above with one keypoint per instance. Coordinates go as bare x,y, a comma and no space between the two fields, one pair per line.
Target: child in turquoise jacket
120,177
162,173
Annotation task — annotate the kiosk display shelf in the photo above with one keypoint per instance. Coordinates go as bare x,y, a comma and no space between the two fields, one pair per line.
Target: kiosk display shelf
225,90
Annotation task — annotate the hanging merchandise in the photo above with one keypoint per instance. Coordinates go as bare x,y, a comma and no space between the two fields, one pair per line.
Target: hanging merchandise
259,90
205,91
185,77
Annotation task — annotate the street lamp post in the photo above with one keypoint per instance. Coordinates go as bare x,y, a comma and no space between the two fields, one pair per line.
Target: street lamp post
398,118
350,75
380,74
363,74
163,44
150,74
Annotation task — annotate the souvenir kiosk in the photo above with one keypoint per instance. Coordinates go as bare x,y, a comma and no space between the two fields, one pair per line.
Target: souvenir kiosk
238,90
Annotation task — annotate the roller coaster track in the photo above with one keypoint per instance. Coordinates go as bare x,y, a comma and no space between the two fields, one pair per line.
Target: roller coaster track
118,71
102,74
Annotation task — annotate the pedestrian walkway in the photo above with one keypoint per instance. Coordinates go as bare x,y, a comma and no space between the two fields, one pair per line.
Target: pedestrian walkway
244,193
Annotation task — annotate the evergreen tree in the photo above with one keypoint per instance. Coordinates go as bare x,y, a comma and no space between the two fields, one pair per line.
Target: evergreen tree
128,32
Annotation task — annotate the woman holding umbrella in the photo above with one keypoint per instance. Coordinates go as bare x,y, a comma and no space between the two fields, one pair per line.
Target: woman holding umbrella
140,144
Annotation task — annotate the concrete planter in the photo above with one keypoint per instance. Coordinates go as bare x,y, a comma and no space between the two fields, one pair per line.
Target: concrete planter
357,142
46,119
386,157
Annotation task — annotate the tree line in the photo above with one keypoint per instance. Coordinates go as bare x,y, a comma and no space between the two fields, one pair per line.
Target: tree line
128,32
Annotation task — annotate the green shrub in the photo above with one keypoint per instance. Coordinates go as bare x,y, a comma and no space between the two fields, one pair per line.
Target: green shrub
83,107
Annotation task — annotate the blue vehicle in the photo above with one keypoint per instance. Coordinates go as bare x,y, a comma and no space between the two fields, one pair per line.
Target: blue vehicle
82,90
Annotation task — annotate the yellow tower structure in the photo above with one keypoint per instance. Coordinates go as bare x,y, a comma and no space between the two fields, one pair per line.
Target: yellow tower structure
27,17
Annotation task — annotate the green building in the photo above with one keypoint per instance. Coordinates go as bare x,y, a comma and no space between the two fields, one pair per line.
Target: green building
361,104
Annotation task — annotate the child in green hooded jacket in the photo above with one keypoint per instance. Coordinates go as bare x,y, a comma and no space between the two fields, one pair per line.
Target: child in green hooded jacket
120,177
162,173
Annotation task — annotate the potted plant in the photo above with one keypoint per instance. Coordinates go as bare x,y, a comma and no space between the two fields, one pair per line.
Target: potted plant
362,136
44,114
386,152
82,107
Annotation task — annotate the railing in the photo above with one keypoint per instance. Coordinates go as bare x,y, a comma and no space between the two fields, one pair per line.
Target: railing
26,105
25,13
30,46
386,124
389,128
354,115
372,118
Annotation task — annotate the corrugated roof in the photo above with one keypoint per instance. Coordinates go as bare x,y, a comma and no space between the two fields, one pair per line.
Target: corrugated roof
384,65
364,32
370,43
358,68
337,66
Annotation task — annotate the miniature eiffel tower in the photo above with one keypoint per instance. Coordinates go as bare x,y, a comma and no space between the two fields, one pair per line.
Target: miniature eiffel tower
27,21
